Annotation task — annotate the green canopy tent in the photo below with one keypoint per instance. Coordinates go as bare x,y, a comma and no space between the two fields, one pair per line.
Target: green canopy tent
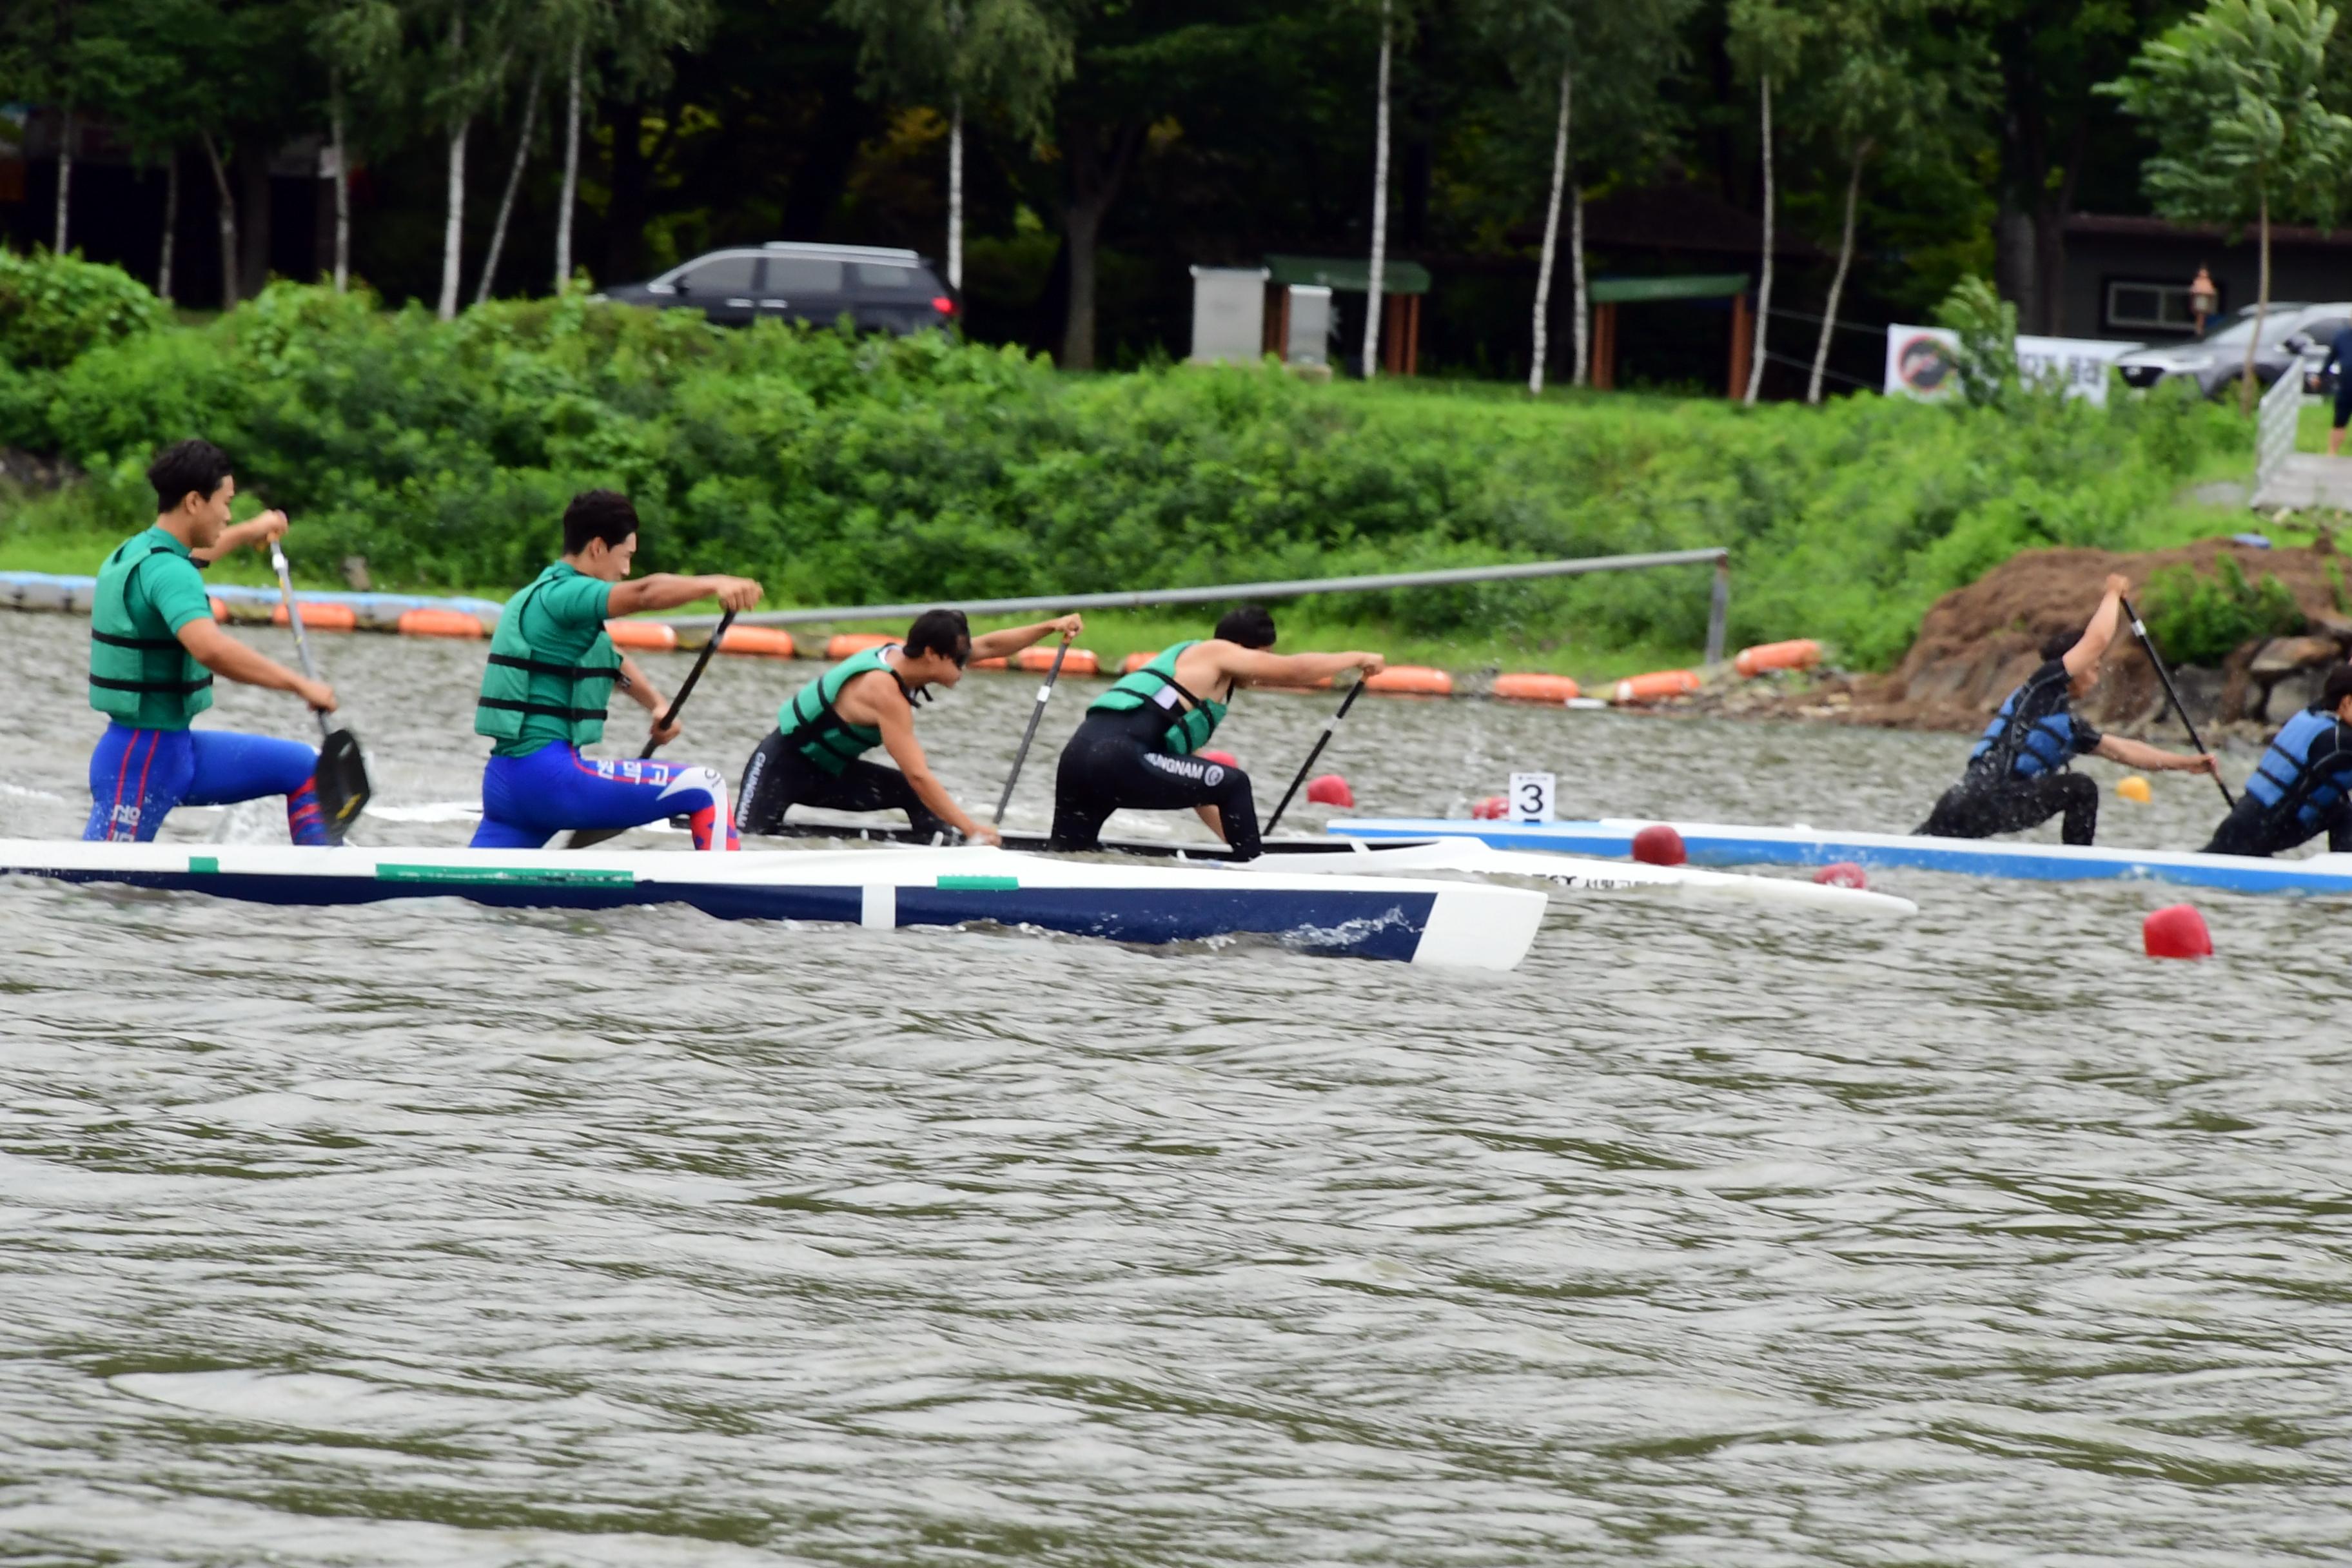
1403,283
1608,293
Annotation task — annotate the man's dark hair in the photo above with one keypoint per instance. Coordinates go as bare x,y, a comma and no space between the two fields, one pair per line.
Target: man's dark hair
1250,626
598,514
2338,687
2058,645
185,465
940,631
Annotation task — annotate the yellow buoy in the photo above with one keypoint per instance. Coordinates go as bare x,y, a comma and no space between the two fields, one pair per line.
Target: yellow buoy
2134,787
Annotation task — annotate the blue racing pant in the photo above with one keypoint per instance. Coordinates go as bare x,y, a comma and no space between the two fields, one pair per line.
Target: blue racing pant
526,801
137,776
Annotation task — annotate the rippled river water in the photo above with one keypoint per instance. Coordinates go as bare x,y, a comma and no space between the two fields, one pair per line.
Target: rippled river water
432,1233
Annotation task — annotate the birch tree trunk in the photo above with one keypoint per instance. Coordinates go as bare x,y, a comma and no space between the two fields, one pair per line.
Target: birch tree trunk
343,192
514,180
1379,210
453,229
228,224
1582,300
1764,268
171,224
565,203
1837,279
2261,309
1550,239
955,200
65,178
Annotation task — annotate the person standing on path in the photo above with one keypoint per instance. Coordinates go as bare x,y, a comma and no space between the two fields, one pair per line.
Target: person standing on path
155,649
1135,746
551,672
2018,774
2339,360
816,754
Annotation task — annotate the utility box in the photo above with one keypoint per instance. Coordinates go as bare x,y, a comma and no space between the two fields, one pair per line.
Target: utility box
1228,315
1309,343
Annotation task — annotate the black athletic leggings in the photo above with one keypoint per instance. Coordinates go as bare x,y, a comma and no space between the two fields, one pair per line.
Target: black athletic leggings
778,776
1120,759
2254,828
1979,807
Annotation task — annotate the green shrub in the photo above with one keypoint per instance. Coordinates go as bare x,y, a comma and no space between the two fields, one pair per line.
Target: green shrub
2202,620
53,309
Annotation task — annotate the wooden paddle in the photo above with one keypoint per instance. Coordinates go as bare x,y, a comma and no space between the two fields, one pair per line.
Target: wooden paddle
584,837
2147,645
1321,741
1045,693
341,780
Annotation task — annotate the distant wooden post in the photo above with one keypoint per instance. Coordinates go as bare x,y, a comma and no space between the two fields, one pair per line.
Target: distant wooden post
1743,339
1604,346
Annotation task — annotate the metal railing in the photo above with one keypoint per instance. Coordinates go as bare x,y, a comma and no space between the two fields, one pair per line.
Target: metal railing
2274,426
1718,601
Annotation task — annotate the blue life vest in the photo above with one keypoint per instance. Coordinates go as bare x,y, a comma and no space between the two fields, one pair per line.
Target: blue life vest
2291,776
2044,746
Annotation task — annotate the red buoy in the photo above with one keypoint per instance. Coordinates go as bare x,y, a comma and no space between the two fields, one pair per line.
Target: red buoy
2177,931
1659,845
1840,874
1494,808
1330,790
1227,758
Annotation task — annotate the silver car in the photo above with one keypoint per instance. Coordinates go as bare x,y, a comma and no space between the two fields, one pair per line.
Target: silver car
2216,361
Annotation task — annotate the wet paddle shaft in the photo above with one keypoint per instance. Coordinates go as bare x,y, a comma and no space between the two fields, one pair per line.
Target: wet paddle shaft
341,780
2147,645
582,837
1044,695
1321,741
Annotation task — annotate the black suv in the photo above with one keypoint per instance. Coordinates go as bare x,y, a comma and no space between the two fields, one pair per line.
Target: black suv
880,290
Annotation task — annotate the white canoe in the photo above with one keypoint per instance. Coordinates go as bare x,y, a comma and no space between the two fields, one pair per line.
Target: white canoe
1463,924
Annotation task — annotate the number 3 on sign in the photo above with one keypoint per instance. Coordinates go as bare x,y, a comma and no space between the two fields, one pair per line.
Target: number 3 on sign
1532,795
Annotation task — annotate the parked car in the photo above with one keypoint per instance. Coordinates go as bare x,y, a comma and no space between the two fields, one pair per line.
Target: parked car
879,290
2216,361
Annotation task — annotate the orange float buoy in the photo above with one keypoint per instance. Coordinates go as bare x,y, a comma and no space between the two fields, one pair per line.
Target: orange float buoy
841,645
1412,679
435,622
326,617
220,611
1330,790
1803,653
990,664
1077,661
1659,845
1494,808
773,642
1135,661
650,636
1842,874
2177,931
1227,758
1653,687
1537,688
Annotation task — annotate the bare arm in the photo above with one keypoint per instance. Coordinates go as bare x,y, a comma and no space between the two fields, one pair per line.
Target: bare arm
1257,667
897,722
2139,754
2104,622
647,696
1012,640
667,591
258,532
224,654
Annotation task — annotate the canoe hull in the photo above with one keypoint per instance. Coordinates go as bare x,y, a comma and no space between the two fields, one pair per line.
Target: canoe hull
1410,921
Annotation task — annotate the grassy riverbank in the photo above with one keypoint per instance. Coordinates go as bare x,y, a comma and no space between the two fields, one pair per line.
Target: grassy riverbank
847,471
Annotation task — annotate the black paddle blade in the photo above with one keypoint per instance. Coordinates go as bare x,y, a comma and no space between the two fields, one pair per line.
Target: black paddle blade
342,783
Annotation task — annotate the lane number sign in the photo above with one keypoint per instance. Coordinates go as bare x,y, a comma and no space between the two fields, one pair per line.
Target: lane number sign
1532,795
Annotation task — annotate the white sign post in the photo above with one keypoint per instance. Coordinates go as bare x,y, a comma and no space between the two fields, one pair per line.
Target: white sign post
1532,795
1919,362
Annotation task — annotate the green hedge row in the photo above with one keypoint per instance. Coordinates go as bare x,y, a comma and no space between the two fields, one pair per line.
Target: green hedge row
845,469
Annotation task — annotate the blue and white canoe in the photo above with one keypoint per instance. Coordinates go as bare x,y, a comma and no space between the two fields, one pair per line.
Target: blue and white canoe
1463,924
1717,843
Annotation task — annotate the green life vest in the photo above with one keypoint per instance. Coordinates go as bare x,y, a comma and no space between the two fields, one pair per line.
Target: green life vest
812,724
521,683
1194,717
139,673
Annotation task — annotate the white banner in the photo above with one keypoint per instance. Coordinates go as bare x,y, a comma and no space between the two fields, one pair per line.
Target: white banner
1919,362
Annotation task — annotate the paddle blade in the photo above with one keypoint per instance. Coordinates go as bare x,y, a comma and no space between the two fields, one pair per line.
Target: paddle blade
341,783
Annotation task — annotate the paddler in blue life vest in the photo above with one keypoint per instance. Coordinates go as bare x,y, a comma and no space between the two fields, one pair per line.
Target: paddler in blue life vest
153,652
816,754
1135,748
2303,785
551,672
2018,774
